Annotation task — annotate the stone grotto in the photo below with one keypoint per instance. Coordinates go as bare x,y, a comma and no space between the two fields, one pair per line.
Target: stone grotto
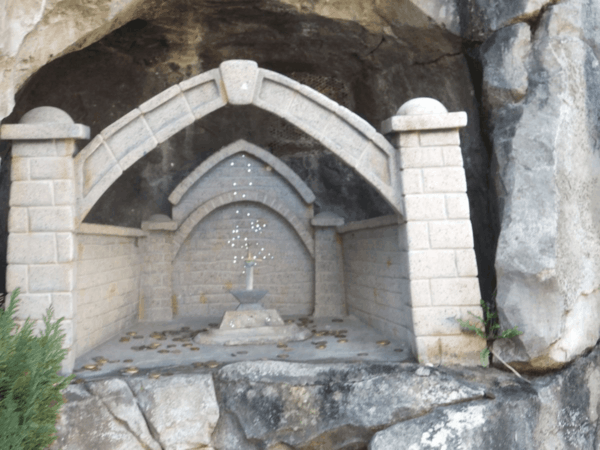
262,220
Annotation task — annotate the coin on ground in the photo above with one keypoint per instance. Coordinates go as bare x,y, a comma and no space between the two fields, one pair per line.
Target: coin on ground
321,346
198,364
128,360
283,355
281,345
382,343
131,333
100,359
91,367
194,349
154,345
187,344
398,350
163,351
131,370
212,364
337,320
124,339
342,341
154,375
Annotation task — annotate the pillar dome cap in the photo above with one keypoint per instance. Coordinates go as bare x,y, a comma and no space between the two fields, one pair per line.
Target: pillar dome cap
420,106
46,114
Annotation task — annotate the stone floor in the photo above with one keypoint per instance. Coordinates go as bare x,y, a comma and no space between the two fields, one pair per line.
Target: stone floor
164,348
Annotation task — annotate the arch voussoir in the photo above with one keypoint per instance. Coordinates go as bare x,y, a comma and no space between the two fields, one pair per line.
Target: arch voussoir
137,133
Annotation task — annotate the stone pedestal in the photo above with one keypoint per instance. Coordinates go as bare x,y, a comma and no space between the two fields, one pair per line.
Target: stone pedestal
253,328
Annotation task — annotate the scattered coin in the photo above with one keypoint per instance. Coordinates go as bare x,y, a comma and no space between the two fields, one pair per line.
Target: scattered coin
156,335
321,346
176,339
383,343
128,360
362,354
168,374
154,345
131,370
114,361
281,345
91,367
283,355
163,351
288,321
188,344
320,333
131,333
202,330
154,375
319,343
198,364
337,320
100,359
398,350
77,381
212,364
124,339
171,345
194,349
342,341
176,351
161,338
137,349
342,331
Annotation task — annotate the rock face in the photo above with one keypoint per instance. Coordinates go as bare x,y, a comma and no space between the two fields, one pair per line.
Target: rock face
541,91
344,406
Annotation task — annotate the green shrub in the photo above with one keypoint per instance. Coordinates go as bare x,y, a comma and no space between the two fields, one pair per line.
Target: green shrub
30,386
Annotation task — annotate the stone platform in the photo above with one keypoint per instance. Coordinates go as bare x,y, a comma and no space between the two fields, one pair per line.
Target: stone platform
168,347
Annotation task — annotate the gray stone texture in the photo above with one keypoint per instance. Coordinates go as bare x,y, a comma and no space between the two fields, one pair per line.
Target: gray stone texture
541,91
380,406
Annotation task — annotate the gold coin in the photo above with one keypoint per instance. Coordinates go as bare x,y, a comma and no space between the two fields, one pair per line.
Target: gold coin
321,346
128,360
337,320
154,345
91,367
188,344
154,375
131,333
342,341
320,333
382,343
163,351
115,361
177,340
198,364
100,359
171,345
320,343
342,331
288,321
77,381
283,355
156,335
194,349
212,364
398,350
131,370
124,339
161,338
281,345
137,349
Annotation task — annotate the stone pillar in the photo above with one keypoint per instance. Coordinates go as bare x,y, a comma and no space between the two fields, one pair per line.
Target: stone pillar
41,254
330,298
438,235
158,302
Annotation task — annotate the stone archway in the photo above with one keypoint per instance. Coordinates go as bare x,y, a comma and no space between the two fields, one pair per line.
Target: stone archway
236,82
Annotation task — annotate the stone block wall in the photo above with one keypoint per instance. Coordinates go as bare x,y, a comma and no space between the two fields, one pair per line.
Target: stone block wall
376,275
157,298
108,282
210,263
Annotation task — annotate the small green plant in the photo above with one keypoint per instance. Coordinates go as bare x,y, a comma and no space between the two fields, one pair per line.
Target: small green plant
30,386
489,331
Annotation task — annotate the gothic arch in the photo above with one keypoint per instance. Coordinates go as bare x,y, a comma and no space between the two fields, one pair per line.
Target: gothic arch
236,82
246,196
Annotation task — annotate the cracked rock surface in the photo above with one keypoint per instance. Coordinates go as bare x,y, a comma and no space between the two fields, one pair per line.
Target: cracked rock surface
275,405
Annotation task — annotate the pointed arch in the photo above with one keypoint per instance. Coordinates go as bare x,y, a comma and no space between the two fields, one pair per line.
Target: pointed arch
236,82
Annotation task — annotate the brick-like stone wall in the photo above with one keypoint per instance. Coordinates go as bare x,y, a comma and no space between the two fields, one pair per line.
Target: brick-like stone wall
108,287
210,263
376,275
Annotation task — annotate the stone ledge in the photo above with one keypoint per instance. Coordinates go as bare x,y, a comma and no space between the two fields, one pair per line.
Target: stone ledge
29,132
424,122
376,222
109,230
